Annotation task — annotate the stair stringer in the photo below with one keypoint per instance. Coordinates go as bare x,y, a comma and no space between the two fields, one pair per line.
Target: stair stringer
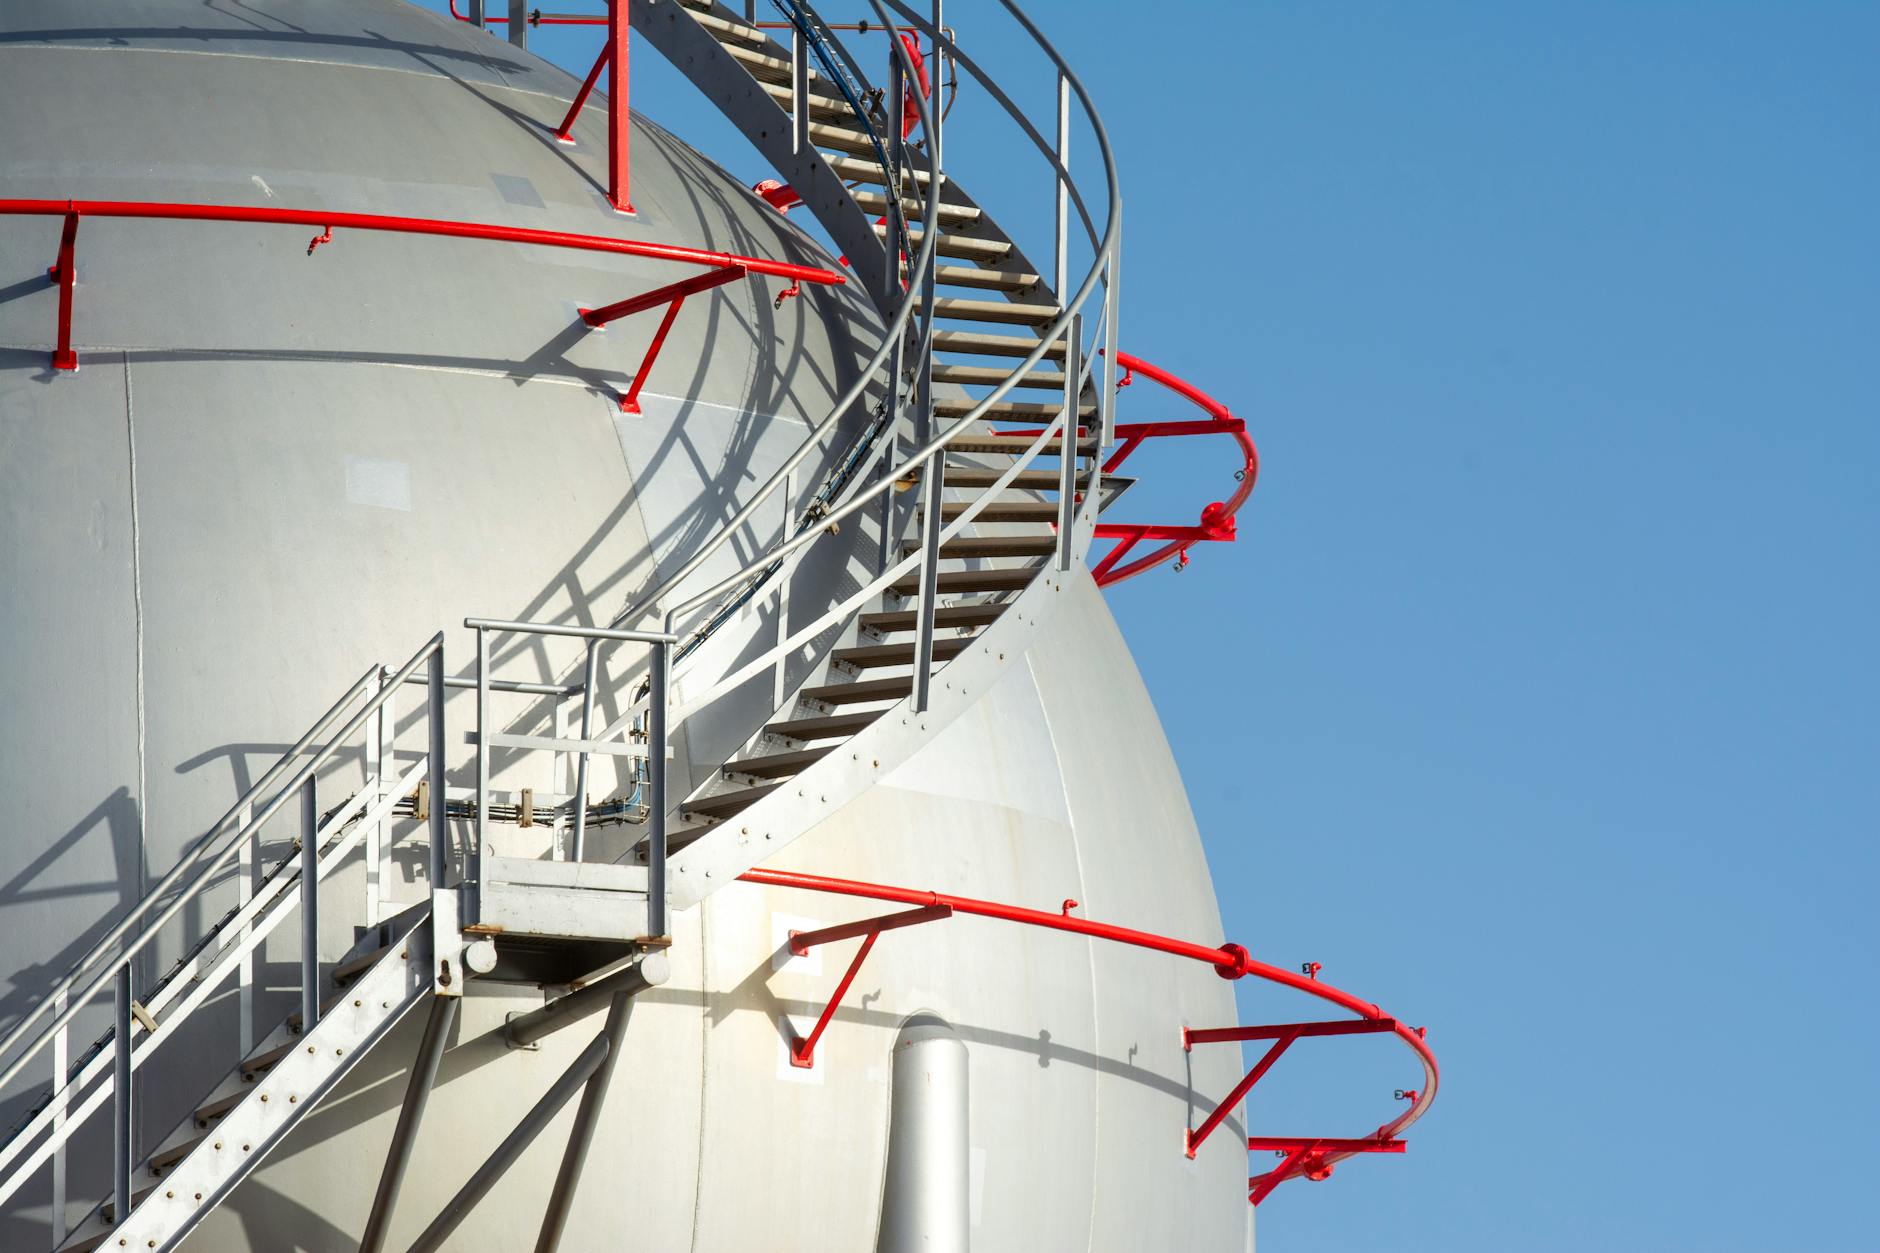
245,1136
747,839
722,79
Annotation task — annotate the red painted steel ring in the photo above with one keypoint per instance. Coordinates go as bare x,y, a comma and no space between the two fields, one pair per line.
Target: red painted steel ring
1231,961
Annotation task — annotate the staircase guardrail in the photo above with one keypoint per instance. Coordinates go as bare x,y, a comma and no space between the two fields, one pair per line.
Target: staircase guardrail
110,963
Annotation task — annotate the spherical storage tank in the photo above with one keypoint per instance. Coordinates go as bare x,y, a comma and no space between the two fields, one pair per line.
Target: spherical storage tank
277,465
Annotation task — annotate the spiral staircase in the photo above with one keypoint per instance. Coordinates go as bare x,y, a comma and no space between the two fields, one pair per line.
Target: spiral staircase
980,526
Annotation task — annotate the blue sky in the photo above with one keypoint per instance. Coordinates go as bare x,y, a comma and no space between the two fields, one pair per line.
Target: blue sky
1537,698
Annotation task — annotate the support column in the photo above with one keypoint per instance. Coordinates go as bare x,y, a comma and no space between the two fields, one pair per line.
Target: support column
586,1117
618,169
519,23
405,1134
924,1205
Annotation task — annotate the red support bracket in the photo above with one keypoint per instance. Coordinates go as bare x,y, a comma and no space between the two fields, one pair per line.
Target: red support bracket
65,274
803,1051
1282,1035
564,134
672,296
1306,1157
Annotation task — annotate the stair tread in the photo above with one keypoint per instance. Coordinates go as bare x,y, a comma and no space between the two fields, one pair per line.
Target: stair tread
979,276
874,655
1007,410
993,375
163,1159
951,245
823,726
1004,511
252,1066
347,971
820,103
861,691
725,804
1012,444
877,202
862,171
728,28
986,476
945,615
961,308
959,582
990,345
996,546
779,765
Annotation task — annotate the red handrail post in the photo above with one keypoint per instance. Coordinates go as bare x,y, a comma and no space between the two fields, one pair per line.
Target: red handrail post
565,133
66,274
618,120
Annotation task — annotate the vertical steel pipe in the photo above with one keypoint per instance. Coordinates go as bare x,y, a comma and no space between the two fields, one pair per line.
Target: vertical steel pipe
619,117
590,680
1068,445
799,89
122,1096
61,1062
1061,188
417,1091
660,665
473,870
925,1196
309,908
439,834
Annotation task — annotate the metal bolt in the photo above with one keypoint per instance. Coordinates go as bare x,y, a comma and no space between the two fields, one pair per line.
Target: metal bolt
264,1096
310,1048
218,1145
169,1195
291,1098
244,1148
357,1004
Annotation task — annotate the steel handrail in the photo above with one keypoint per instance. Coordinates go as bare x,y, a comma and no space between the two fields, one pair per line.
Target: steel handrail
1218,516
1105,247
487,231
1230,961
201,882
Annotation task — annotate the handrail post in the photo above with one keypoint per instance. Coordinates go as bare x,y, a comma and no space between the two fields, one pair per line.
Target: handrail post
309,906
1106,394
519,23
1061,188
660,667
590,679
122,1124
378,760
799,89
473,869
780,677
247,879
439,835
1069,442
933,477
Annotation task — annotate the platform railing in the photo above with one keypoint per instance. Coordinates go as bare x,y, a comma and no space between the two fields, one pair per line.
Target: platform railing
141,1019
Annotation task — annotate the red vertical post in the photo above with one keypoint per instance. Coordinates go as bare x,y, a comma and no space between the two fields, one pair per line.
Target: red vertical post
66,272
618,166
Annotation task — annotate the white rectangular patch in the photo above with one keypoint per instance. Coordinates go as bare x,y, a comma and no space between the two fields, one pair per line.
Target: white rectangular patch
377,482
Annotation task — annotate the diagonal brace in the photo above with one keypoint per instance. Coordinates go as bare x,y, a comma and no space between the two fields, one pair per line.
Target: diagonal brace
803,1051
1305,1157
672,296
1282,1035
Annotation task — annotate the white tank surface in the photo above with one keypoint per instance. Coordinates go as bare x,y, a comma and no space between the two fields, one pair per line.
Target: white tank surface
277,466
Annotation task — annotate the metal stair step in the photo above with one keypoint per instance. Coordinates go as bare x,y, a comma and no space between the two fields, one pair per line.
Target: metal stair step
108,1211
1007,410
346,972
723,29
993,345
994,546
820,105
993,375
261,1063
209,1111
1004,511
950,214
779,765
986,476
950,245
963,582
876,656
843,139
726,804
856,170
163,1159
962,310
823,726
860,692
972,441
293,1019
945,615
976,276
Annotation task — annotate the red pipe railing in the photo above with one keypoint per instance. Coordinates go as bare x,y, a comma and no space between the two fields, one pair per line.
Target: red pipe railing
64,272
1312,1158
1217,519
